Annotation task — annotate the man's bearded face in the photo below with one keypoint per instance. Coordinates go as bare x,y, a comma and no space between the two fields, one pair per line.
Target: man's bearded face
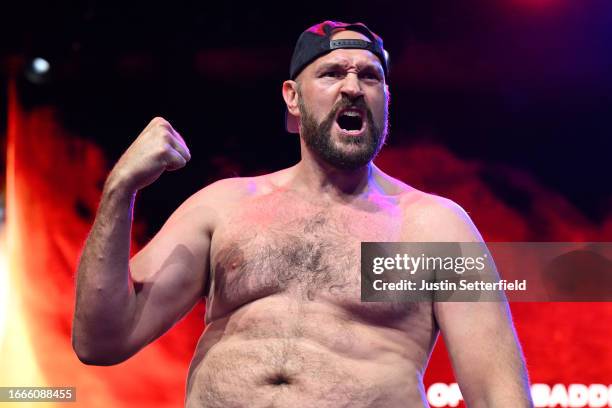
337,149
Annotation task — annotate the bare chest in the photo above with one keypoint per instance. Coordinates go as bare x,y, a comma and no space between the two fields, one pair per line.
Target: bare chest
272,247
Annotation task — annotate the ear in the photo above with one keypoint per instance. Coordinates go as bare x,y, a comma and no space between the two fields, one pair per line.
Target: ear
290,95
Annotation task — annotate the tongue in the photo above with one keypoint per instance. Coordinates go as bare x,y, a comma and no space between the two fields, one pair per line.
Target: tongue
349,122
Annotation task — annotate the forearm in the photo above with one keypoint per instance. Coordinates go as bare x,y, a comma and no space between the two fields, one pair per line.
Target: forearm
504,395
502,383
105,295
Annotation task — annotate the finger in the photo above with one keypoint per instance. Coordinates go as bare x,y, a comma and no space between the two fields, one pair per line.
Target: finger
175,139
180,148
179,137
174,160
180,145
166,132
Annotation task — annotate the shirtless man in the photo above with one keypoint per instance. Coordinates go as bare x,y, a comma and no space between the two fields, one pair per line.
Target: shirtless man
276,258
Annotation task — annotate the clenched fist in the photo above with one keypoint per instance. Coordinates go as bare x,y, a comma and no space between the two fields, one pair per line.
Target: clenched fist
158,148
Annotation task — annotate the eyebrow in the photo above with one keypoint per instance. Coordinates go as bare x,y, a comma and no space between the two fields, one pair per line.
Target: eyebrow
340,65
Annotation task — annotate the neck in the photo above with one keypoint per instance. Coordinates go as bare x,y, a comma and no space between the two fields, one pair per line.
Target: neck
317,177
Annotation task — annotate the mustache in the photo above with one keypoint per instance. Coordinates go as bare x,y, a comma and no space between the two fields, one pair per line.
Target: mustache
347,102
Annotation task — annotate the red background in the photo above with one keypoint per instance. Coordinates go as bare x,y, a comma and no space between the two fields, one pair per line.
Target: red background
52,172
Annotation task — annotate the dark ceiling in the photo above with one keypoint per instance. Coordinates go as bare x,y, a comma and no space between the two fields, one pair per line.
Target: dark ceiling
521,82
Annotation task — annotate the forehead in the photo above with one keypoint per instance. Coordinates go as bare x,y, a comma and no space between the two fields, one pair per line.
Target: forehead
347,57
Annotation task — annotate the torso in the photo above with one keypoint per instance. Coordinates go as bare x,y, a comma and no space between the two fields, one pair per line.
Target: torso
285,324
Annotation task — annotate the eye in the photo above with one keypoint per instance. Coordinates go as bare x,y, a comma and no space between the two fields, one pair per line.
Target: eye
332,74
370,76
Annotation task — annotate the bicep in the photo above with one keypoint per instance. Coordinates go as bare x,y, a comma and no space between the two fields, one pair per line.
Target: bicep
170,273
479,335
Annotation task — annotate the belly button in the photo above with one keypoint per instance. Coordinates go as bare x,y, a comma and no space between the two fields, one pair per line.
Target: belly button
279,380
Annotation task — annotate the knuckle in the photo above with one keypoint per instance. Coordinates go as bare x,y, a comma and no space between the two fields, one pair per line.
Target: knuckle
160,122
165,136
163,150
159,136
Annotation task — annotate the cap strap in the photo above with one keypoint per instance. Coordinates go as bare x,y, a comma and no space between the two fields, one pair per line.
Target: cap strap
350,43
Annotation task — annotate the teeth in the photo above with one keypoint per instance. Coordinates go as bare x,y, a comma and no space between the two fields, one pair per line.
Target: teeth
351,113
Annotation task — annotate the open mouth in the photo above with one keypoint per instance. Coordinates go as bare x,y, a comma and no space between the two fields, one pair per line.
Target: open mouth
350,120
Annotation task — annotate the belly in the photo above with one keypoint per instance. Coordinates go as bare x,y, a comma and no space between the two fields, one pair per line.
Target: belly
295,373
275,353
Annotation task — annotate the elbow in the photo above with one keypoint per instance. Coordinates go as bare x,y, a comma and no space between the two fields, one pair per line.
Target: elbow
92,359
98,359
95,355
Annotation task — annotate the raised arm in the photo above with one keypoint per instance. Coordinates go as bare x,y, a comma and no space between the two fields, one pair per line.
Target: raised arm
122,305
480,337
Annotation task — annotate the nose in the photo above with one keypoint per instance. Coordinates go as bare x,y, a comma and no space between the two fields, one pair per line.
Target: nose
351,87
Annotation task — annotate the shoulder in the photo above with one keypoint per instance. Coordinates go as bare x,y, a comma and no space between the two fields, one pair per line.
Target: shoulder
436,218
229,192
221,193
207,208
432,206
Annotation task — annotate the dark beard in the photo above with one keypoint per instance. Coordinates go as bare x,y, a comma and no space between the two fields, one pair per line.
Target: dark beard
318,138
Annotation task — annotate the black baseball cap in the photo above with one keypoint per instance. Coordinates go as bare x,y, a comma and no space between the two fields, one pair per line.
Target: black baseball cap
316,41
